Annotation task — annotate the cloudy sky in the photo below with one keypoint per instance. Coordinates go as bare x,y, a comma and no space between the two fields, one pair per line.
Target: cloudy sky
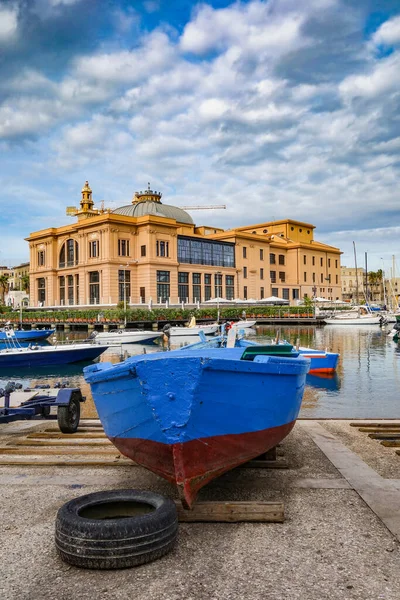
279,108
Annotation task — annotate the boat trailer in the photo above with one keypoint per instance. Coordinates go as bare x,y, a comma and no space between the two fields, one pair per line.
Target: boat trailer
61,403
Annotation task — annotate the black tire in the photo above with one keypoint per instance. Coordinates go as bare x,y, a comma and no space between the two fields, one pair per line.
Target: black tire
68,416
116,529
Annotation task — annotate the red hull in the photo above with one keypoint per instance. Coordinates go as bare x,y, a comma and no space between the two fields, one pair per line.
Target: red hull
325,370
194,464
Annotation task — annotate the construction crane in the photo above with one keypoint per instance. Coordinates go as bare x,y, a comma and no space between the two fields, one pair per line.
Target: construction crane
203,207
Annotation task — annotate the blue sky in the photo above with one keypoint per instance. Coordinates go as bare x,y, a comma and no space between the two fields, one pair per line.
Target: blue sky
277,109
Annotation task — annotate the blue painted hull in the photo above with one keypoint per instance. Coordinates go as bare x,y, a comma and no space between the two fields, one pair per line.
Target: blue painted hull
34,335
43,358
197,413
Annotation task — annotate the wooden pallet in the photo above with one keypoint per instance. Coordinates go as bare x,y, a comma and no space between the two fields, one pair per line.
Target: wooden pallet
388,434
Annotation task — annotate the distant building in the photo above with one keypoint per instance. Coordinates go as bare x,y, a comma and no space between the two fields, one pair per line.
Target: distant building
17,292
351,277
150,252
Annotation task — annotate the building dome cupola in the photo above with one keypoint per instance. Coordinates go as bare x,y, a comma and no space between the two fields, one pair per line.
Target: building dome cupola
86,201
147,196
149,203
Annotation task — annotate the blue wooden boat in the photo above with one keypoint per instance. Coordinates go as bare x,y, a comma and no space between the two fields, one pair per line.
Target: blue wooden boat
321,360
191,415
34,335
43,356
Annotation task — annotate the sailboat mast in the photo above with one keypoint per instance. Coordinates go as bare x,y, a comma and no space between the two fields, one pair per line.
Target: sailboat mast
366,278
355,262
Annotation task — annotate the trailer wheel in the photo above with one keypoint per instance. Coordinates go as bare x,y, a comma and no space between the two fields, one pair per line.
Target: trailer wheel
115,529
68,416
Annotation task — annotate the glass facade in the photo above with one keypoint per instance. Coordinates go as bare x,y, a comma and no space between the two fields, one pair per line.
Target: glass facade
61,284
162,249
94,249
94,287
70,279
196,281
183,287
207,286
229,287
163,286
69,254
199,252
41,288
124,285
123,248
218,285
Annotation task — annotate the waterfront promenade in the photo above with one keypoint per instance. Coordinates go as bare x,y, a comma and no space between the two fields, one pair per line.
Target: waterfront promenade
339,540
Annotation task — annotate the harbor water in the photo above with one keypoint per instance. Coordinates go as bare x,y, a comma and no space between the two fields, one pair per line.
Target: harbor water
366,384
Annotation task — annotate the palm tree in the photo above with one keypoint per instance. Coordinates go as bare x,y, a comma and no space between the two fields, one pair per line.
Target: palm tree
375,282
25,283
3,287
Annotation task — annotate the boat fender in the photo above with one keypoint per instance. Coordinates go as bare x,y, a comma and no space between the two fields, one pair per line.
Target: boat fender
116,529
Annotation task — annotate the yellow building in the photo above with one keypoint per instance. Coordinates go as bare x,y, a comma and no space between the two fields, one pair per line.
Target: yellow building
148,251
350,277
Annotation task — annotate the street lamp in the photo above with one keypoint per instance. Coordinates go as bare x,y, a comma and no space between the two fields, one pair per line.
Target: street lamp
20,301
218,273
124,285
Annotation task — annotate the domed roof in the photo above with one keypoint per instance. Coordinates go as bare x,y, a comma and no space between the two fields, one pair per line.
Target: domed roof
149,203
148,207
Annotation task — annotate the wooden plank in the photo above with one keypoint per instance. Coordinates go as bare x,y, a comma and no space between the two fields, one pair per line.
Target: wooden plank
376,424
389,444
384,436
65,443
80,430
29,450
379,430
232,512
59,435
62,462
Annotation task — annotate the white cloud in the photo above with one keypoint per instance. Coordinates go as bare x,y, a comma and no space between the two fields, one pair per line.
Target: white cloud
282,106
388,33
382,78
153,55
8,23
254,27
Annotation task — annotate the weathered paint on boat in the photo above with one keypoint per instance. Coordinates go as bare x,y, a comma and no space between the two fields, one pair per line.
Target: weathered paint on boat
189,416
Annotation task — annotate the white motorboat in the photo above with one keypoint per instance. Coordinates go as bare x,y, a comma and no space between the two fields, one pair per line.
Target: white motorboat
191,330
124,336
359,315
243,325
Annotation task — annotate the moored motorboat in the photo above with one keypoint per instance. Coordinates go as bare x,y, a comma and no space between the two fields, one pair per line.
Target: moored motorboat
33,335
190,330
124,336
188,415
43,356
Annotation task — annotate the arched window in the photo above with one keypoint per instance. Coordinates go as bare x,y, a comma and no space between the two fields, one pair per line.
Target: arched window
69,254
